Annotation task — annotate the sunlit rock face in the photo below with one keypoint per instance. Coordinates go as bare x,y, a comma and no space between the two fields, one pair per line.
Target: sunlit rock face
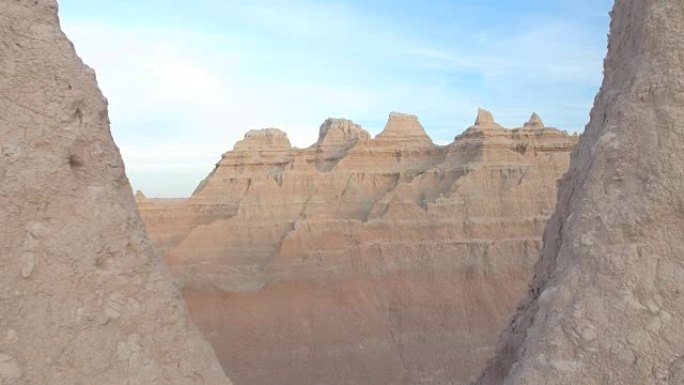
605,305
84,298
359,260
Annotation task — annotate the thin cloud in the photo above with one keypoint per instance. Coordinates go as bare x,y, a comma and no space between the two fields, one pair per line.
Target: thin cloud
181,95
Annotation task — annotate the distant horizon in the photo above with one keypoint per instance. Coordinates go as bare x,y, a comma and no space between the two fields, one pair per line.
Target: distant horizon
185,82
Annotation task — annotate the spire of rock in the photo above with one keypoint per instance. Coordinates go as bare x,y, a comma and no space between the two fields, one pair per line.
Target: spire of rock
535,122
485,120
139,195
404,127
84,298
484,117
605,305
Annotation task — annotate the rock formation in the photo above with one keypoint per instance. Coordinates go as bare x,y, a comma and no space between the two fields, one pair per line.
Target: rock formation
362,261
83,296
535,122
605,306
335,138
485,120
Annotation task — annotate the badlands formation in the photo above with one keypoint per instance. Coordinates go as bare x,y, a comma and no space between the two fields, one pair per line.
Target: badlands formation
356,261
84,298
360,260
606,303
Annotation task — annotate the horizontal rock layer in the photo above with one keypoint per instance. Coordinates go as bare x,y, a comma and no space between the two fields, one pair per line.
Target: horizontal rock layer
362,261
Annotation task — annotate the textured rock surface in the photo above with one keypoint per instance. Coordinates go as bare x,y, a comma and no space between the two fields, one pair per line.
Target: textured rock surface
363,261
605,306
83,297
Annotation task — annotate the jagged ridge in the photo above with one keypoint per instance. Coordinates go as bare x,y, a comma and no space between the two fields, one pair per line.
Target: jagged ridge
368,240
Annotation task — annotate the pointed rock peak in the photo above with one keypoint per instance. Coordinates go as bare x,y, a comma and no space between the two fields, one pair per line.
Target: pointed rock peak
639,110
341,130
266,138
404,126
485,120
484,117
535,121
109,281
139,195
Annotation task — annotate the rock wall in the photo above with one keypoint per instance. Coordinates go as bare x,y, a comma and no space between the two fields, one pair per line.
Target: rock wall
83,296
362,261
605,306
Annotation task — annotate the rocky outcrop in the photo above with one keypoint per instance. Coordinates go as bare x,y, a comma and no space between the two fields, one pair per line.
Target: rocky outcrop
485,121
534,123
368,261
605,306
83,296
335,138
404,128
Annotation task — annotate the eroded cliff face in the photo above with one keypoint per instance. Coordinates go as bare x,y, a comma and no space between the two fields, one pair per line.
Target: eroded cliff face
83,296
362,261
605,306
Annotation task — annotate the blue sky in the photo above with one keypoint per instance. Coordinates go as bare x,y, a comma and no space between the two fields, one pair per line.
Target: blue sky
185,80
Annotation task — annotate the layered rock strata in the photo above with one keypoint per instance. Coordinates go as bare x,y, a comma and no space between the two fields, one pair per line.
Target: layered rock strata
605,306
83,296
363,260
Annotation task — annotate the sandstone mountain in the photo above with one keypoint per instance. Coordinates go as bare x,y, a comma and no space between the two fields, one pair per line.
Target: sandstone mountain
359,260
605,306
83,296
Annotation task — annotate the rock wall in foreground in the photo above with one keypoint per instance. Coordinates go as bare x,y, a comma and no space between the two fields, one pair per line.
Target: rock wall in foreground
605,306
360,260
83,296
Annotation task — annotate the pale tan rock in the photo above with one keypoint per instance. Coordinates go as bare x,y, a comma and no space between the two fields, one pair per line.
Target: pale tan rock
605,306
340,132
83,296
535,122
485,120
363,261
405,128
336,137
267,138
140,196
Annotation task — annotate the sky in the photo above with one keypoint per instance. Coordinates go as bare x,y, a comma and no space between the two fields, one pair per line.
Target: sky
186,79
